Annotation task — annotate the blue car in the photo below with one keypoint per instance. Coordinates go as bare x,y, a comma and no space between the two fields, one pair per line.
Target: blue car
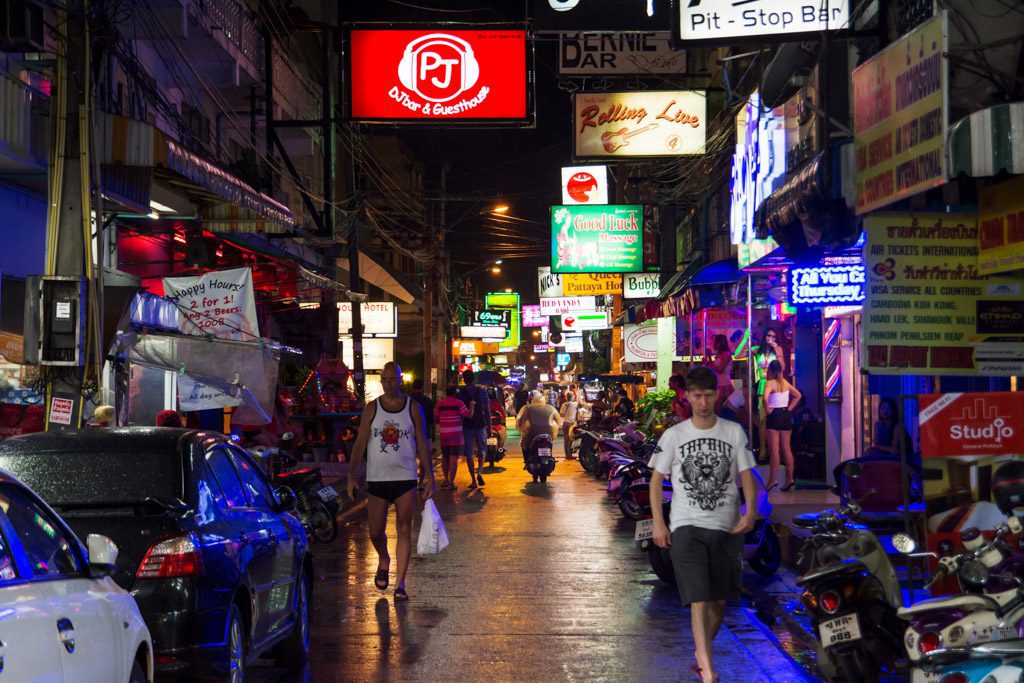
220,568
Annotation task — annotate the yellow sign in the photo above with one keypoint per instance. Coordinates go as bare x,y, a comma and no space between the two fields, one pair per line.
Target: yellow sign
473,347
587,284
900,117
926,301
1001,227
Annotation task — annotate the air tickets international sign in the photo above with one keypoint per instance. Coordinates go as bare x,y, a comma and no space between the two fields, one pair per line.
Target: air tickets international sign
438,75
900,117
639,124
927,305
597,239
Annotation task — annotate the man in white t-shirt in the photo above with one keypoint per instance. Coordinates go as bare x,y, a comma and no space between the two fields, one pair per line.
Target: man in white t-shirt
704,457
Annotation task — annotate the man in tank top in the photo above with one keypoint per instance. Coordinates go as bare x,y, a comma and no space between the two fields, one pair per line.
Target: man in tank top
392,437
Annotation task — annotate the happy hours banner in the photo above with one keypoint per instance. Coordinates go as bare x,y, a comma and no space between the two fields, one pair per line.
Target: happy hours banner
220,303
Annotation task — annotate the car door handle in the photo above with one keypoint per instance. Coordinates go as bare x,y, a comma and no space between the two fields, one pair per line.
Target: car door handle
67,634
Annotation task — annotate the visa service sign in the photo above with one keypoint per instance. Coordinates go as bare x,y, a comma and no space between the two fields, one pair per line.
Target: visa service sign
438,75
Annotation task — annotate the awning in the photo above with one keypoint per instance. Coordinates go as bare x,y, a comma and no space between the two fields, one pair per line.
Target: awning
379,275
781,207
988,142
703,289
228,204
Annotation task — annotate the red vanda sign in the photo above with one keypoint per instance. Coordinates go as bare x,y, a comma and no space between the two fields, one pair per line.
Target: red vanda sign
978,424
437,75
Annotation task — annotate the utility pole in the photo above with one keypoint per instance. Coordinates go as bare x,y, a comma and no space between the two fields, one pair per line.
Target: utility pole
69,228
355,282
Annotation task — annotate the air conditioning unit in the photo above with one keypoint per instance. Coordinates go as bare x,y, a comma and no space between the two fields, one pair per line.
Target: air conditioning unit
21,26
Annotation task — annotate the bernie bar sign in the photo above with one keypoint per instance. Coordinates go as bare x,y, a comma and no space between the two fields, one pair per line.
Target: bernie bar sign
827,285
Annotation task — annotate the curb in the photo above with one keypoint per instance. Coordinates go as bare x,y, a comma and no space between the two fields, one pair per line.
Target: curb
775,663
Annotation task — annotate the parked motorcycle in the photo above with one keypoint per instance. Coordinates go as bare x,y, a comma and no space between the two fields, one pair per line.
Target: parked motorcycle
317,504
851,594
762,547
495,451
988,608
993,662
539,461
585,446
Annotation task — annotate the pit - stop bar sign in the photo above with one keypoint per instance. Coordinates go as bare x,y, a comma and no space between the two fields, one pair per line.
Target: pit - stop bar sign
729,20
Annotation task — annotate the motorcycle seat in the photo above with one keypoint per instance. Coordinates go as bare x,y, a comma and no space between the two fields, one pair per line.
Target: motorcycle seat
969,601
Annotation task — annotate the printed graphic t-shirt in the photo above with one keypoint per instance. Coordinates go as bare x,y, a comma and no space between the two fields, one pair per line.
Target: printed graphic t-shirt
391,448
704,467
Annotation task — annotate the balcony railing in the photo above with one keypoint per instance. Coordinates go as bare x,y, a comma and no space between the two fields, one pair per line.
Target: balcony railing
238,26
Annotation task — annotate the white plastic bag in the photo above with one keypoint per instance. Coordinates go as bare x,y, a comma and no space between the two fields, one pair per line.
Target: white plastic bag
433,537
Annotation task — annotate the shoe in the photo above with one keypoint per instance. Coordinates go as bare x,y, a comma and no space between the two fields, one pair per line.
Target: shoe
480,479
788,486
401,595
773,485
472,487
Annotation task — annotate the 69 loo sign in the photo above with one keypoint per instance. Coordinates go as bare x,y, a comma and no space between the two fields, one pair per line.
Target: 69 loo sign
439,76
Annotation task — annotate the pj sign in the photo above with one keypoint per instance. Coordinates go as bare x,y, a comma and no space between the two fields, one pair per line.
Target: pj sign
438,76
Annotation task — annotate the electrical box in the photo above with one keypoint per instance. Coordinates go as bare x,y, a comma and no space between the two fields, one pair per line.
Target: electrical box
58,304
21,26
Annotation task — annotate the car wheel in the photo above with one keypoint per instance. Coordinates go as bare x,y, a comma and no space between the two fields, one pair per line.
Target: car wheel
138,674
236,645
295,649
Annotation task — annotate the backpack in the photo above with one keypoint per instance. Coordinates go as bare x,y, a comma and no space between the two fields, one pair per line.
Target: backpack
481,416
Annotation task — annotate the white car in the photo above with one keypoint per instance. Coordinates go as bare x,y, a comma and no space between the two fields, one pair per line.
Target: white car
62,618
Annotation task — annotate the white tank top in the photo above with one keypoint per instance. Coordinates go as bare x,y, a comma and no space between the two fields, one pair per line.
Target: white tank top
391,448
778,399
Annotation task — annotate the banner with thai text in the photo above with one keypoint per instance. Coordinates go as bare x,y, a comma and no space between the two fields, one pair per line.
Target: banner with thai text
900,117
1001,227
927,306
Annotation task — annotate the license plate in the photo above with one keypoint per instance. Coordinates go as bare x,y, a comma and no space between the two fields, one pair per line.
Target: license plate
327,493
922,676
492,442
844,629
1004,633
644,530
543,452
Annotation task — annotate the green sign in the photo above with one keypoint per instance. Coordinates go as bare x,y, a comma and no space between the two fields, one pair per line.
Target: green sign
506,301
597,239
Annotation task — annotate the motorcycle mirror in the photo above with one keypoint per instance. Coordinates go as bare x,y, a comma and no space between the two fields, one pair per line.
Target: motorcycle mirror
853,470
287,436
904,544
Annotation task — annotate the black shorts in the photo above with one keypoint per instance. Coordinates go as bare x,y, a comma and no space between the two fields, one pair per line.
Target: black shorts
707,563
779,419
390,490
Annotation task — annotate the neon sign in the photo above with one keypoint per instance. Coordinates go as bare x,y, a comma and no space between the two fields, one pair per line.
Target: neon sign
827,285
759,162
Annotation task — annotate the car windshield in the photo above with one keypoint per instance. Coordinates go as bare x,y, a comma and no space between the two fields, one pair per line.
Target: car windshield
97,477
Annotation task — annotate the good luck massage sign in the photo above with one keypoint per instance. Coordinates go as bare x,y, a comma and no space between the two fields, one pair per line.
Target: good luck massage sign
597,239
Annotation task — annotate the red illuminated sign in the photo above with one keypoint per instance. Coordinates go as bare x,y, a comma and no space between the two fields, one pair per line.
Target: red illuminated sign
435,75
972,424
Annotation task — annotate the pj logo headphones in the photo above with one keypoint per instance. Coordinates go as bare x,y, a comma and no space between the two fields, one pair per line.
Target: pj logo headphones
420,63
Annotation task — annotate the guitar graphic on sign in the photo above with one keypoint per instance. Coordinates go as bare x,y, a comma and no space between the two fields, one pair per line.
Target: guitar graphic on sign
620,138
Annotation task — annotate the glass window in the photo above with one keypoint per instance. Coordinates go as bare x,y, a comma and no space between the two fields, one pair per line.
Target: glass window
219,463
255,486
8,571
48,550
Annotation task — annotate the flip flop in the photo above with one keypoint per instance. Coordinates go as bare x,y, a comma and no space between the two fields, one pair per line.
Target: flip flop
401,595
696,670
380,579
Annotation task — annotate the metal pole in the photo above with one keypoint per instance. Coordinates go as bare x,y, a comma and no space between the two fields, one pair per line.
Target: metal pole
355,282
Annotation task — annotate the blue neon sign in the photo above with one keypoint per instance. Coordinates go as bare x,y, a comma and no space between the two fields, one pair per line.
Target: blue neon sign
827,285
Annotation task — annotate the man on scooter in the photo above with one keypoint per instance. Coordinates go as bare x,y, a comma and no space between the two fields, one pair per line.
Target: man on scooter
704,457
537,417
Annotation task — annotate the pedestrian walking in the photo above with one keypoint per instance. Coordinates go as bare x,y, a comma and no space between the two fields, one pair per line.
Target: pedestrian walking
450,412
520,398
568,413
392,438
427,404
475,427
704,456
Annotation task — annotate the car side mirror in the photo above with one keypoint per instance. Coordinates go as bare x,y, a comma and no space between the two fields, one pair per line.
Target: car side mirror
285,499
102,555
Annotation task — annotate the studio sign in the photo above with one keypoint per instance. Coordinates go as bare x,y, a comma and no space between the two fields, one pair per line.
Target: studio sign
827,285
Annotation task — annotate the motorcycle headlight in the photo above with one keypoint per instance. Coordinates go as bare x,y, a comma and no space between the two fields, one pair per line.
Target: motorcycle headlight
974,573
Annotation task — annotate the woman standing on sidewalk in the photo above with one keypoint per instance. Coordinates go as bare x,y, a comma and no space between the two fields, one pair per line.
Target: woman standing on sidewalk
392,437
780,397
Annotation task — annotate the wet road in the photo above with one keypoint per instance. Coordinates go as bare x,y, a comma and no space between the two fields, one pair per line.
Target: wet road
540,582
